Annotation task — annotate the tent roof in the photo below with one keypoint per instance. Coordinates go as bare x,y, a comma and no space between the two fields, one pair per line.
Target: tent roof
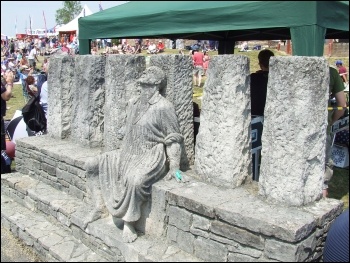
216,20
73,25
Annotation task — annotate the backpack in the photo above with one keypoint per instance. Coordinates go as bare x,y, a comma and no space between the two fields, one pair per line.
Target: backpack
34,115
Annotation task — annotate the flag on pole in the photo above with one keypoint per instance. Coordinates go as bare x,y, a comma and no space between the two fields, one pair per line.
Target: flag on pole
30,25
100,6
84,12
45,24
16,25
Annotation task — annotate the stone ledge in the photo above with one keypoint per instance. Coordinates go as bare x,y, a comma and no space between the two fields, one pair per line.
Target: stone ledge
61,164
244,208
40,196
61,150
49,240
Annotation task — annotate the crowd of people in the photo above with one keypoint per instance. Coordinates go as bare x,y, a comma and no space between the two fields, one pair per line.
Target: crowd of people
43,45
19,64
124,47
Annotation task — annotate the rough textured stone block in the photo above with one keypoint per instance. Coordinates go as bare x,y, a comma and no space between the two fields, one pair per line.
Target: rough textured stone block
178,70
200,222
294,137
154,214
120,81
180,218
60,99
88,101
210,250
172,234
223,143
235,257
288,252
237,234
185,241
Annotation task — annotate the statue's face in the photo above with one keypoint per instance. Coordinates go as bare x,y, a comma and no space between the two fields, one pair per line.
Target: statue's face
146,79
152,77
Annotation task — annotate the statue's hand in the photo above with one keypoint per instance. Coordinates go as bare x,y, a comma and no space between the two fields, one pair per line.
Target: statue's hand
177,174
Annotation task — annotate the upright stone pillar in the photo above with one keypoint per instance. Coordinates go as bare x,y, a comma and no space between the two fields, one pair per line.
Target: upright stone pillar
294,135
179,44
120,84
88,101
61,84
178,69
223,145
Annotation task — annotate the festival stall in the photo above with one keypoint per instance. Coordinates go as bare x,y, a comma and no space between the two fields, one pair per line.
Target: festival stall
71,28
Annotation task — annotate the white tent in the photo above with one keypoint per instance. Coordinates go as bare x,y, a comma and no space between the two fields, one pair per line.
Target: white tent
73,25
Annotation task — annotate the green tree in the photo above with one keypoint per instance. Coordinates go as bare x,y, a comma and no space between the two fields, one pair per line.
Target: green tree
69,11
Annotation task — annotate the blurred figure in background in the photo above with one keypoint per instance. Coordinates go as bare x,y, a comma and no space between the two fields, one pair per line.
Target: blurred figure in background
6,94
342,70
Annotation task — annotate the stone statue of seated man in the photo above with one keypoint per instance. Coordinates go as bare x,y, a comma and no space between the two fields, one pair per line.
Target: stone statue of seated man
151,149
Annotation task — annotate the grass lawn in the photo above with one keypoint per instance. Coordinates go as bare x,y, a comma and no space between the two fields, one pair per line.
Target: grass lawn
339,185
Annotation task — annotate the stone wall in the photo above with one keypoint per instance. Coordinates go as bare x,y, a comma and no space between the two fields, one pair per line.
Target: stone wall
89,95
205,221
58,163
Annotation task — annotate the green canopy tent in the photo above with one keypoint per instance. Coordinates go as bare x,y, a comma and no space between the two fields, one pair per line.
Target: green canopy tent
306,23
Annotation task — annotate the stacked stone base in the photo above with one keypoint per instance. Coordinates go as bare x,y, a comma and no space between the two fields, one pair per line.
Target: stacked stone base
43,204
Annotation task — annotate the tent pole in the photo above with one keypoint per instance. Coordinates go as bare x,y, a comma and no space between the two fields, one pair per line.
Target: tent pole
84,46
226,47
308,40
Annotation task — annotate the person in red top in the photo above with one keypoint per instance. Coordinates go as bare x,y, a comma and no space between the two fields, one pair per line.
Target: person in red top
198,67
70,38
342,70
160,46
205,62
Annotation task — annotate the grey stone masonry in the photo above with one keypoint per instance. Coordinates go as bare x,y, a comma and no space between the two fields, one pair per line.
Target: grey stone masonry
121,74
236,224
62,83
204,222
51,220
88,101
52,242
294,136
223,142
59,163
218,213
178,70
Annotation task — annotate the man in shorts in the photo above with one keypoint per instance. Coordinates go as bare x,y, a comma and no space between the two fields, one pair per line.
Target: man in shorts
198,71
33,56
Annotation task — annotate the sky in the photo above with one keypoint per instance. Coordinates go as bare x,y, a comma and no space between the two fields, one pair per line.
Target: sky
10,10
